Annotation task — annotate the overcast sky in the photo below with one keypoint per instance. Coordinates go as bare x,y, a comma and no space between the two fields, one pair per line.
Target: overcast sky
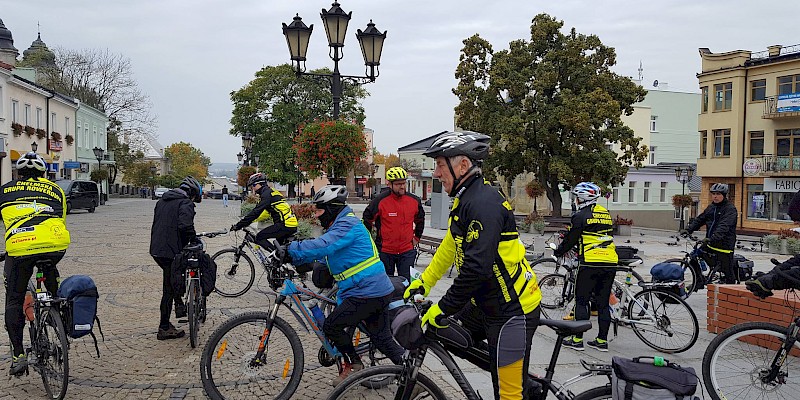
189,55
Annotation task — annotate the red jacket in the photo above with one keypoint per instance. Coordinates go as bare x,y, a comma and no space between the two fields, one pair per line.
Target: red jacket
397,219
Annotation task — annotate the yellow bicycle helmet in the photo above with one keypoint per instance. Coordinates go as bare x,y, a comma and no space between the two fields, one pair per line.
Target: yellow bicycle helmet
396,174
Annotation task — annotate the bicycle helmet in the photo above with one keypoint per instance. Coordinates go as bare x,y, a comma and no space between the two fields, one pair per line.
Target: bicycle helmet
331,199
587,193
719,188
396,174
31,160
257,178
450,144
192,188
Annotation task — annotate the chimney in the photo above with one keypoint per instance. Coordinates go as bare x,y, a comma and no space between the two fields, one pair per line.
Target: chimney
774,50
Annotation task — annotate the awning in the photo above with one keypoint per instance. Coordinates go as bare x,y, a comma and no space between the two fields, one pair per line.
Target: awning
15,154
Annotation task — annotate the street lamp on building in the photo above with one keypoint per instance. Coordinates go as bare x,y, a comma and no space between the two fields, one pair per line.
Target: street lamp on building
34,146
153,170
683,175
98,153
256,157
335,21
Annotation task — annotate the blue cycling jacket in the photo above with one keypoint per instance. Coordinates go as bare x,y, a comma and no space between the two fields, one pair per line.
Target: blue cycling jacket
343,246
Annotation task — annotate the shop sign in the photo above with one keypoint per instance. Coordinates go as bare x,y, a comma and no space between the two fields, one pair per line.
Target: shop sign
752,166
782,185
361,181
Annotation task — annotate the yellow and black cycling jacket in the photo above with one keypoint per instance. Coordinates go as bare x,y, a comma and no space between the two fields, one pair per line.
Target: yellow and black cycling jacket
34,213
272,205
591,231
483,243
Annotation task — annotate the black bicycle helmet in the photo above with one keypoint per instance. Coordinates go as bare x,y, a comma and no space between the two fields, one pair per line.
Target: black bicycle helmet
192,188
450,144
257,178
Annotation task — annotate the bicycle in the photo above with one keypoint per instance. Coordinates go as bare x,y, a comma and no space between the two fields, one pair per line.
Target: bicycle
240,355
235,279
194,299
752,360
695,268
653,311
407,382
48,353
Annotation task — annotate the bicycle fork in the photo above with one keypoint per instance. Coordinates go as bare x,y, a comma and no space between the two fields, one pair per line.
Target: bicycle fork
260,357
774,373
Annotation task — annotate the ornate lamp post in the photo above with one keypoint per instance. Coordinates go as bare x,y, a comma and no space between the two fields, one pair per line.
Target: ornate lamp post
239,156
683,175
335,21
247,145
98,153
153,170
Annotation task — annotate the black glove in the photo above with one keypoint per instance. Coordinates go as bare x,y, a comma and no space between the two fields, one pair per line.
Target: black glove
706,240
758,288
283,254
235,227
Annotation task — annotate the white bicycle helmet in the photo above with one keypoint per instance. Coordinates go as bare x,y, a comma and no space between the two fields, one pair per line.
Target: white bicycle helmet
331,194
587,193
33,161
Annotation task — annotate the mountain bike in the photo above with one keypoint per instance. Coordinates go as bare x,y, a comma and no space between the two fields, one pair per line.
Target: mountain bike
48,353
259,354
194,299
408,382
752,360
696,271
236,271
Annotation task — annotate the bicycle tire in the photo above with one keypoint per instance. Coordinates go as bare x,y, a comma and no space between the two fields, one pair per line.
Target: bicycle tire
664,303
193,312
598,393
754,361
556,304
232,278
545,262
357,386
57,353
217,347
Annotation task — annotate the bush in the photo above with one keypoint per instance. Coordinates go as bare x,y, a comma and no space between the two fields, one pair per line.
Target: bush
793,245
772,241
98,175
306,230
305,211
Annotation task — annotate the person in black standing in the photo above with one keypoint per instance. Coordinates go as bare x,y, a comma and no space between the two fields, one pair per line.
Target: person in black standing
720,220
173,229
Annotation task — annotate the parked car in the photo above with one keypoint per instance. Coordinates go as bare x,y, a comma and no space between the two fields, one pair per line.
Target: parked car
160,192
217,194
80,194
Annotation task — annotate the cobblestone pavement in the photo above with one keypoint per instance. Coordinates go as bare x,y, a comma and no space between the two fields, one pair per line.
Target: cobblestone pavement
111,245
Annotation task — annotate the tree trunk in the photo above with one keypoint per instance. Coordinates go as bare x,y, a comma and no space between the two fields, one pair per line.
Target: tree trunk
554,195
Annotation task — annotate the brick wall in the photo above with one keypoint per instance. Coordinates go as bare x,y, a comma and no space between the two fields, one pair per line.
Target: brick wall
729,305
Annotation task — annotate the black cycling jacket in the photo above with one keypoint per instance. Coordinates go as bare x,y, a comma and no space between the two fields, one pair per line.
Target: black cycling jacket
720,221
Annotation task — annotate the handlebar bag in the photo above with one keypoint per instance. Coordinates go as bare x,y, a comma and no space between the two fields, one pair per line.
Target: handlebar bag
640,380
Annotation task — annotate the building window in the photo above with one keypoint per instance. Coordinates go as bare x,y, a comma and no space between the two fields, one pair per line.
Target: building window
723,96
758,90
615,195
678,213
14,111
652,155
703,144
758,204
704,99
94,135
86,134
28,114
663,195
722,142
53,122
66,126
787,142
38,118
2,102
78,133
789,84
757,143
653,127
646,195
632,192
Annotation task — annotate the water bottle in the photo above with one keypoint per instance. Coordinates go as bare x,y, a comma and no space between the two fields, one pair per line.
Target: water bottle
319,317
415,274
628,278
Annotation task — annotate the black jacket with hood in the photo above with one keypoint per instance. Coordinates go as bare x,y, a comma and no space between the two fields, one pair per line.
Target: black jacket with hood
720,221
173,224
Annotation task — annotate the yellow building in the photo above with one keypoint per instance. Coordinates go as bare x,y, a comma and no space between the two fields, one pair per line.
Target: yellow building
749,129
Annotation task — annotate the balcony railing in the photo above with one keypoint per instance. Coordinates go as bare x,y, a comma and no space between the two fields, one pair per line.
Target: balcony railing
771,163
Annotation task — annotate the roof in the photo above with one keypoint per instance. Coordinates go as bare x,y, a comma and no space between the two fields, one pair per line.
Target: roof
421,144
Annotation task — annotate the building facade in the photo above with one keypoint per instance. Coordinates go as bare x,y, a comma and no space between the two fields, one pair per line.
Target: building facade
749,128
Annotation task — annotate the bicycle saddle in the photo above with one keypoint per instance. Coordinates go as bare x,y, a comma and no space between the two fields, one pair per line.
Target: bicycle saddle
566,328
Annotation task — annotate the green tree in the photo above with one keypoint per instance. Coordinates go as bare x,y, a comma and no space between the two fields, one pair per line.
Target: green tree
272,107
551,106
187,160
138,174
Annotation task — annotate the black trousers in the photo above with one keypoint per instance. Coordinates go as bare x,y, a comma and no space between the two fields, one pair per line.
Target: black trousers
373,312
16,274
274,231
401,262
594,283
168,295
725,261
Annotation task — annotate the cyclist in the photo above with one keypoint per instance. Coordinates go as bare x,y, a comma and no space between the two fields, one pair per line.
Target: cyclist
720,220
272,204
34,213
783,276
364,288
172,230
495,294
399,219
590,231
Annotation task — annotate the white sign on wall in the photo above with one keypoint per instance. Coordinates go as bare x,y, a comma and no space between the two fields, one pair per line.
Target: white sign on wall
752,166
782,185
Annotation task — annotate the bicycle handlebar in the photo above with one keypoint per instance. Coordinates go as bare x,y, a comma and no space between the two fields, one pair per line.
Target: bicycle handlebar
212,234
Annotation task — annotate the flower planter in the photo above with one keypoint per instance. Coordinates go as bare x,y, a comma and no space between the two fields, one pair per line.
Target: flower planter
624,230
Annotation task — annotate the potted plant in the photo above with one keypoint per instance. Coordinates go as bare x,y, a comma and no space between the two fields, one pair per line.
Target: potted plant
534,190
682,201
622,226
55,135
773,243
29,130
786,245
534,222
41,133
16,128
69,139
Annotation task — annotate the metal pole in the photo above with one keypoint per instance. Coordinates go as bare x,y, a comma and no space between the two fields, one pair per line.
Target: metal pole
336,84
99,167
683,192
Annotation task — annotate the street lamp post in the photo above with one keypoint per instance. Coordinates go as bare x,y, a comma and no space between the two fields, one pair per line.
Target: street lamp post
683,175
98,153
335,21
153,170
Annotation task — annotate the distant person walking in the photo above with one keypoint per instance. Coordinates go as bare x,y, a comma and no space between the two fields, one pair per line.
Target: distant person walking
225,195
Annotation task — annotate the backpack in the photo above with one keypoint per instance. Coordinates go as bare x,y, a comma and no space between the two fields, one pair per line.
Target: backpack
642,379
80,309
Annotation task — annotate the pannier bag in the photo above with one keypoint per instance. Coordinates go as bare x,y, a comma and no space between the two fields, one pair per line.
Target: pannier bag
627,252
744,267
208,272
80,309
651,378
670,273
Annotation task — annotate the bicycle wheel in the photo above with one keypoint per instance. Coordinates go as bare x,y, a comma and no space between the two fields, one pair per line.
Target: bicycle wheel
666,322
193,312
52,359
357,386
735,365
598,393
544,265
229,367
236,272
558,299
